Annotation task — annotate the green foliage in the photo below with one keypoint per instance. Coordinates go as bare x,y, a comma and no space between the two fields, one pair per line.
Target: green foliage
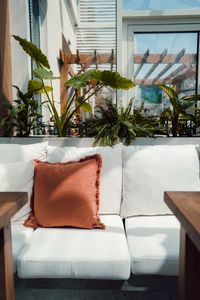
37,87
22,116
33,51
81,80
41,73
91,82
113,80
111,125
178,108
85,106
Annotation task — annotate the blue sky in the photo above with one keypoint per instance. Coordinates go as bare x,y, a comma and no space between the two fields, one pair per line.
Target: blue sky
173,42
160,4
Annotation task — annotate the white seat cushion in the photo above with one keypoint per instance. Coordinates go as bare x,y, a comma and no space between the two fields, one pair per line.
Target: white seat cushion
153,244
111,174
20,236
11,153
18,177
148,171
77,253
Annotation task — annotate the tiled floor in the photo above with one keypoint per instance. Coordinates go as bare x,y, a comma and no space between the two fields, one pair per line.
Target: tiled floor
136,288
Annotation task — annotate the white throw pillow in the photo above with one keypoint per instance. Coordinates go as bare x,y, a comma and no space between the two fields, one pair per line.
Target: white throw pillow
10,153
17,177
148,171
111,175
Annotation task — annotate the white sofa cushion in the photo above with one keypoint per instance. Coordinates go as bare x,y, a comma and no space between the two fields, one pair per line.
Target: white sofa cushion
111,174
17,177
148,171
77,253
20,236
153,244
10,153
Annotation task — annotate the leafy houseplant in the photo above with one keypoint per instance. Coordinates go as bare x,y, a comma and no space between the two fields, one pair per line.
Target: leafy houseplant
111,125
178,108
90,83
23,115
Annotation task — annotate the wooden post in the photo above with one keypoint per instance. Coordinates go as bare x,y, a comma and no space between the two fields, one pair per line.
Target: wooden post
5,57
63,78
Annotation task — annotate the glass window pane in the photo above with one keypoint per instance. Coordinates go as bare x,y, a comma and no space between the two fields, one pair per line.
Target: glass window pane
160,4
163,58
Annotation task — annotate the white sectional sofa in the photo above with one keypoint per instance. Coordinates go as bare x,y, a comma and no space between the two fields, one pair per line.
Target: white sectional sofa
141,235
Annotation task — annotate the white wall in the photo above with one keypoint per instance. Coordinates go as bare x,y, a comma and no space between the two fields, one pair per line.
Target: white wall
56,18
19,25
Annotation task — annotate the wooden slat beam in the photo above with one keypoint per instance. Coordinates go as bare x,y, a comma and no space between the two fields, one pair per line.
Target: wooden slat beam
143,61
112,59
173,80
88,58
187,74
95,59
65,71
177,59
162,55
174,73
187,59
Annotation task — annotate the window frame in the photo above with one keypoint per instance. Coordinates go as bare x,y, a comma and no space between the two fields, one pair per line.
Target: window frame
129,22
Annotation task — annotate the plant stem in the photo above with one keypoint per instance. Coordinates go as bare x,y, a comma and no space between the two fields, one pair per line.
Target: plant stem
52,91
71,101
96,91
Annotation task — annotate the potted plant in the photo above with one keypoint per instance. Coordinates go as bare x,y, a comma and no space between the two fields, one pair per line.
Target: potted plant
23,116
90,82
178,108
111,125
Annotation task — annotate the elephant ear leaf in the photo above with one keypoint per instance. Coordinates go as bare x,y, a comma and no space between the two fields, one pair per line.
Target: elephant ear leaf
169,91
33,51
113,80
84,106
42,73
37,87
81,80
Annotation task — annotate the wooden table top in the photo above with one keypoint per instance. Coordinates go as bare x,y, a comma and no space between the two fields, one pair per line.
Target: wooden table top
186,207
10,203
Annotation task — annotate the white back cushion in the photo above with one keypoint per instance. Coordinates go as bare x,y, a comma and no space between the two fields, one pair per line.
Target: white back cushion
111,175
17,177
10,153
148,171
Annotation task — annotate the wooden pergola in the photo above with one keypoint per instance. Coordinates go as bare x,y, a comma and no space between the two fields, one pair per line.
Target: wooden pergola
186,68
84,61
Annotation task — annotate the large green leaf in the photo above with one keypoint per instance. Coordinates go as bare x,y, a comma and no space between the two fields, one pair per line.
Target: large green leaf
84,106
33,51
113,80
81,80
37,87
169,91
42,73
187,116
165,115
191,98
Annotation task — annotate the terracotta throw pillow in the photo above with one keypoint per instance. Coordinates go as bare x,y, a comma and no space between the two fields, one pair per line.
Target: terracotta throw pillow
66,194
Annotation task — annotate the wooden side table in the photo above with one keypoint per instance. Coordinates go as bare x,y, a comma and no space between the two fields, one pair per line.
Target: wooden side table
10,203
186,207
